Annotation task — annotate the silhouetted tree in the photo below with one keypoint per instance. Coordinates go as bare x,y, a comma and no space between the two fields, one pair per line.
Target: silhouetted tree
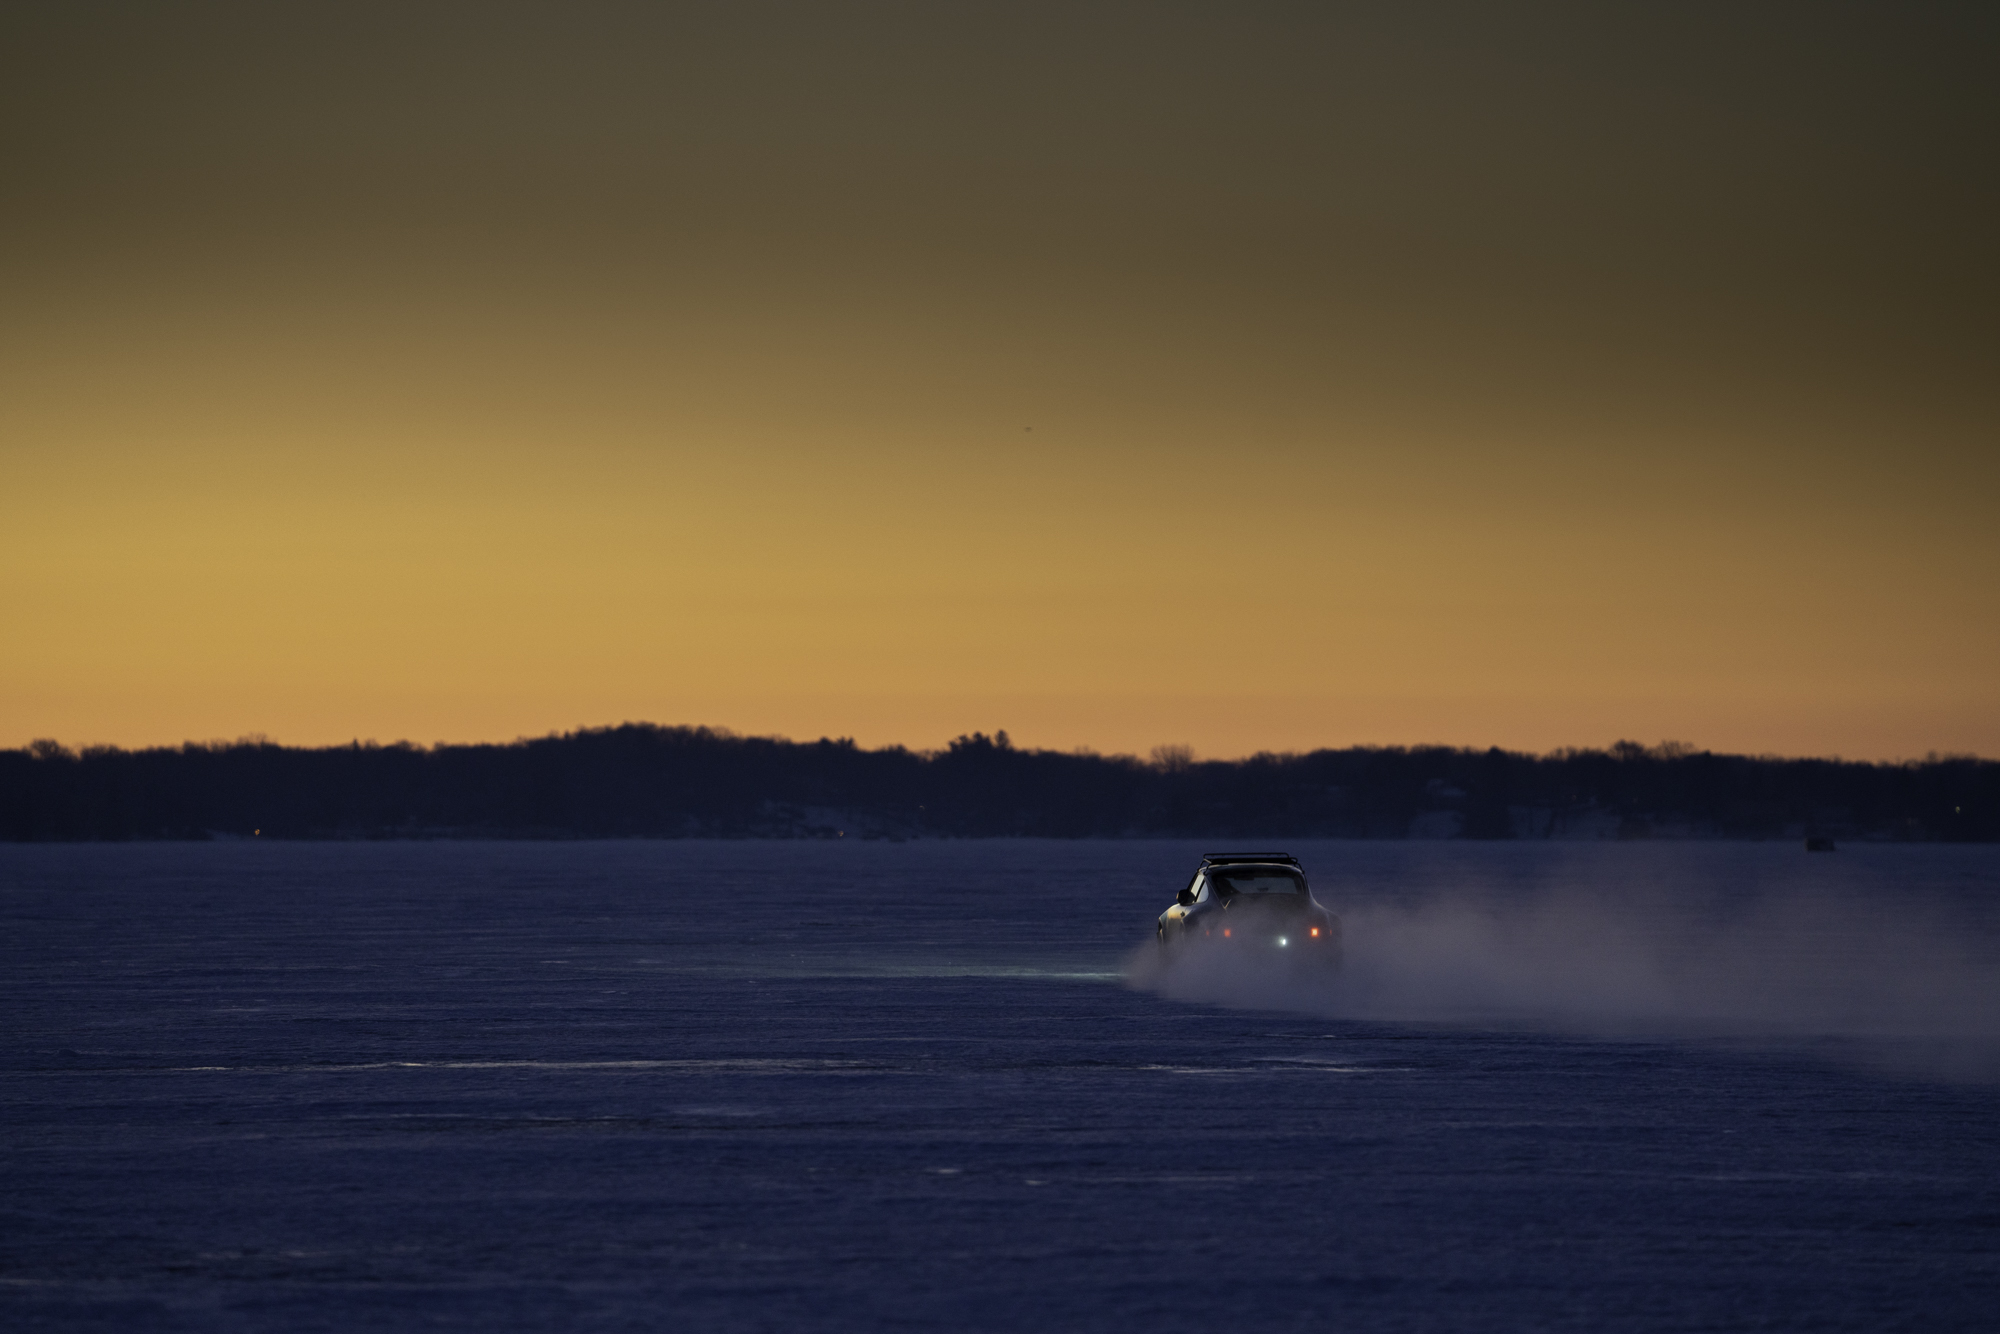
644,780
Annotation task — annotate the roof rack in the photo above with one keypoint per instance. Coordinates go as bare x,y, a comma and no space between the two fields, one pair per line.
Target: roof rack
1226,858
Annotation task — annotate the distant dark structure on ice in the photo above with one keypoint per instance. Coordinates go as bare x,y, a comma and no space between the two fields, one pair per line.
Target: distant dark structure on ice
640,780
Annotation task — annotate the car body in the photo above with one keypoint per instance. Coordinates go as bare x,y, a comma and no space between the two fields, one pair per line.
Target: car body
1252,901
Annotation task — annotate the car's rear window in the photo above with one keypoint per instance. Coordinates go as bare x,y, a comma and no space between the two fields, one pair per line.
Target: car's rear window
1259,882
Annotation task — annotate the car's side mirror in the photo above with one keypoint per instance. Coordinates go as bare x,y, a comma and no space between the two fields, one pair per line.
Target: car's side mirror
1184,898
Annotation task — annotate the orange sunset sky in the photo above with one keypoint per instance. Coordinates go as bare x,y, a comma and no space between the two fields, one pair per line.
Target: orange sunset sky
1248,376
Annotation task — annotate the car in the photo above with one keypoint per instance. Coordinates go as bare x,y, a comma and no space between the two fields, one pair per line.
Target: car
1252,901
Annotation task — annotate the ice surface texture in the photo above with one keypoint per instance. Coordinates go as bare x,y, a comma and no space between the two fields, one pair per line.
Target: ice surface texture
825,1086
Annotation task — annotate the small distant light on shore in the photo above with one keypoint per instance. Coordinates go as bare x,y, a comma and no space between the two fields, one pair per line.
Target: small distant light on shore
1282,942
1225,930
1315,930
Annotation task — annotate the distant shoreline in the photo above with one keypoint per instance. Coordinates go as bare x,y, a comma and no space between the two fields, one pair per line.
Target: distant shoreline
645,781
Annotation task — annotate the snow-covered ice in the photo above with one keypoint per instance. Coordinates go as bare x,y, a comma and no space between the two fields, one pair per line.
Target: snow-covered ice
659,1085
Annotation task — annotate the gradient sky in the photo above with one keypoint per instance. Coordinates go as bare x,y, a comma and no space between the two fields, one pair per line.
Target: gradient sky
1250,376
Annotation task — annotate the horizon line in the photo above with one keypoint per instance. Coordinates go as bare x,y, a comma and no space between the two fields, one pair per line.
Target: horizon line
1166,754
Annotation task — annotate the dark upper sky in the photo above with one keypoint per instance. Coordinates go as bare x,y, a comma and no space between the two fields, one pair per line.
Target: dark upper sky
1546,372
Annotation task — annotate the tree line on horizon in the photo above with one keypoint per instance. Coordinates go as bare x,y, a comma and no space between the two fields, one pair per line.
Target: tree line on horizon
645,780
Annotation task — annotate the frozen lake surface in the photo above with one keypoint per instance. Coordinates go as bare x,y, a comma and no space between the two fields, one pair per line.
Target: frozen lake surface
942,1085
